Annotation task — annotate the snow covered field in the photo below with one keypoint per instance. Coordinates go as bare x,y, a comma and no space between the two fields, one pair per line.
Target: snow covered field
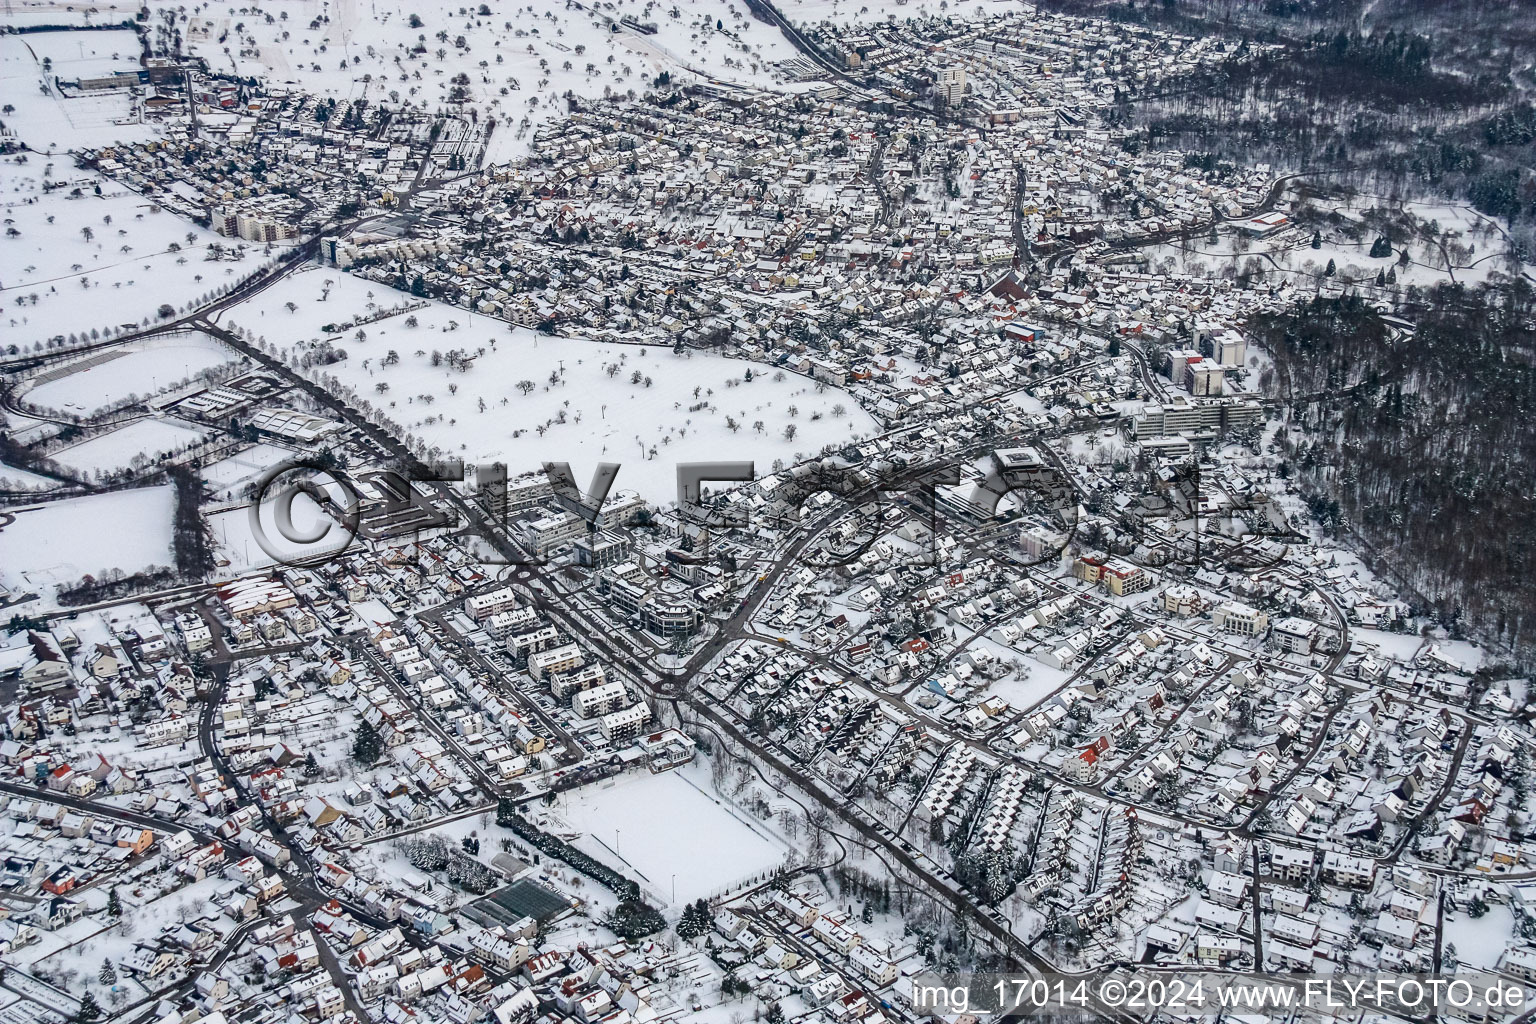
592,415
228,477
84,262
1475,247
146,439
231,479
665,825
146,368
64,12
48,119
42,546
13,478
520,58
239,550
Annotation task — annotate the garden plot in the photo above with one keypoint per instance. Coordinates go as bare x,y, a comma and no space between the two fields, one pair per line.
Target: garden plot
141,443
505,408
44,546
661,826
83,262
1479,941
137,370
73,955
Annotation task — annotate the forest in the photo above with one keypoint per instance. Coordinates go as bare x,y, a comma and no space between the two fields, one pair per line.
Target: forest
1421,445
1402,98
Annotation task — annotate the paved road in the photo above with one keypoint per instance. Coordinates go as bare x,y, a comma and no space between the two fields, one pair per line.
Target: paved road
149,821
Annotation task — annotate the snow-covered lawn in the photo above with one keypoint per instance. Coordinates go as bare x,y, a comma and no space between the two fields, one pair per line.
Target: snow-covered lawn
1400,646
57,542
148,439
145,368
664,825
592,415
1038,680
1479,941
1476,247
84,262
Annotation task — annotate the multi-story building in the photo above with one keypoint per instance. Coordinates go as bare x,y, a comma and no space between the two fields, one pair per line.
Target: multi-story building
1294,635
599,700
1204,377
602,550
482,606
556,659
1121,577
1181,416
625,724
1239,618
951,85
549,532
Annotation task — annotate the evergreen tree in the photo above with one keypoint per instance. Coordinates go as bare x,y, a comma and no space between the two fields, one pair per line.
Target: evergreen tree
1317,239
311,766
366,747
775,1014
114,904
89,1010
107,975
